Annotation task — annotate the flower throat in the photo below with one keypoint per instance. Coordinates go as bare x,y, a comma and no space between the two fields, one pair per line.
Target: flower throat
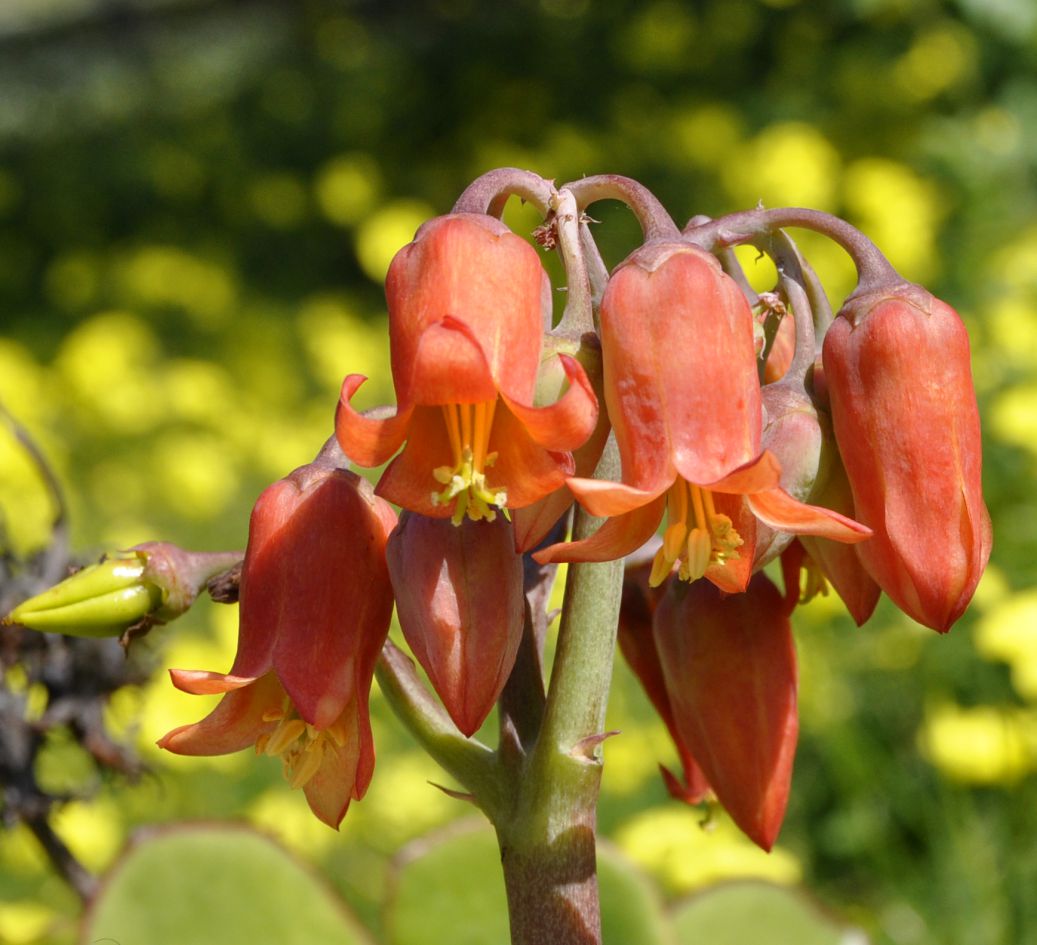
468,428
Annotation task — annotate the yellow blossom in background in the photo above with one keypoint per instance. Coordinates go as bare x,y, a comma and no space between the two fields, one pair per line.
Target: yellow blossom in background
1008,632
790,164
387,230
93,830
347,188
672,845
980,745
899,210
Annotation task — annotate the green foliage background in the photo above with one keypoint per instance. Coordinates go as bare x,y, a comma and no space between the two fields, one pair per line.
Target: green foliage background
198,200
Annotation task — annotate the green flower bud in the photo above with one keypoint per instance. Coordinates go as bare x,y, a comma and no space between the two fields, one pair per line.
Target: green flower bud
132,591
101,600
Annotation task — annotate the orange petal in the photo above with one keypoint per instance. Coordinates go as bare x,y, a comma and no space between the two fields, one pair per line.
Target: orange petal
201,682
450,367
471,267
367,442
732,576
779,510
523,467
235,723
601,497
617,537
408,481
567,423
762,473
680,365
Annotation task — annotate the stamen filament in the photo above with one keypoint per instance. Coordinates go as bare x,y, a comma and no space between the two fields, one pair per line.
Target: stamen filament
469,427
453,430
696,535
466,423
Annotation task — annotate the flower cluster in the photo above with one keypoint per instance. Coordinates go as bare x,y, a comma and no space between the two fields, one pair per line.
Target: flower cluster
748,429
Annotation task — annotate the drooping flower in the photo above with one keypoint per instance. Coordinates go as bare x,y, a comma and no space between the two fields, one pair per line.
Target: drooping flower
468,300
683,396
637,644
898,374
315,609
460,603
730,671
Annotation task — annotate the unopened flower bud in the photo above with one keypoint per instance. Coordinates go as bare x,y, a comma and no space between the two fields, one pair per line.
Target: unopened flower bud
730,670
150,584
904,410
461,607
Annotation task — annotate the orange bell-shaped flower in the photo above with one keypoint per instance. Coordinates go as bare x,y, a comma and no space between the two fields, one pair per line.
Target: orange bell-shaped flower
683,396
315,609
897,368
730,670
467,306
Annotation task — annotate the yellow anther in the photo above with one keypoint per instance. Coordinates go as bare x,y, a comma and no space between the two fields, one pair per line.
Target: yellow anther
699,554
674,538
696,535
468,429
305,763
284,736
300,745
812,581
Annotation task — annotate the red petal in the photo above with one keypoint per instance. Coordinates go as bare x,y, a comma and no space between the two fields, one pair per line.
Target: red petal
235,723
616,538
906,421
334,595
730,671
460,603
779,510
367,442
603,498
567,423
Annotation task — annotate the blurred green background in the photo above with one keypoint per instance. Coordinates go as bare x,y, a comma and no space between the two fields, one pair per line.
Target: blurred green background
198,201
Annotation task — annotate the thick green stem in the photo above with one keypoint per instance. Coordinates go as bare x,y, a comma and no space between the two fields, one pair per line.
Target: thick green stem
548,840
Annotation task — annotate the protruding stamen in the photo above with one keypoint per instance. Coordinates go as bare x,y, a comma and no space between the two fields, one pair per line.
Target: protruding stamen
284,736
468,428
696,535
300,745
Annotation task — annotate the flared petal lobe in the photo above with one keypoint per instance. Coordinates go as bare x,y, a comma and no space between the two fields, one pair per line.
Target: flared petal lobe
533,522
730,671
904,410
